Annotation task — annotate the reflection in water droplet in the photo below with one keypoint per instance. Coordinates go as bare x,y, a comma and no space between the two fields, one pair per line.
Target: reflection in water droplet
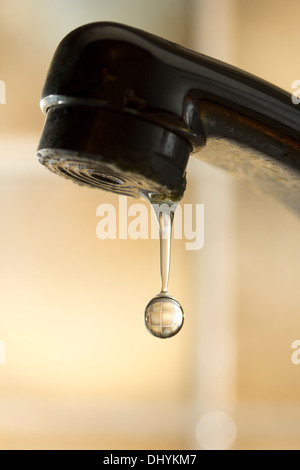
163,316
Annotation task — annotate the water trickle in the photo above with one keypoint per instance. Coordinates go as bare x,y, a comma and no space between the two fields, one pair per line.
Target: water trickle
164,315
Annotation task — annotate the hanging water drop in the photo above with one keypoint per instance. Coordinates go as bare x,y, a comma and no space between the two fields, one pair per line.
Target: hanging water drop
164,315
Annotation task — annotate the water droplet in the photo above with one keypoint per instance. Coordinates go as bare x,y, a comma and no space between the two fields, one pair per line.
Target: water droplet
164,316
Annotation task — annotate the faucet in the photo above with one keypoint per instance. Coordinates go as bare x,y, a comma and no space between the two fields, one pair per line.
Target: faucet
126,109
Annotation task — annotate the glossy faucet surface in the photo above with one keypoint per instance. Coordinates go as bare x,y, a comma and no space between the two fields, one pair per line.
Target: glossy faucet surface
125,110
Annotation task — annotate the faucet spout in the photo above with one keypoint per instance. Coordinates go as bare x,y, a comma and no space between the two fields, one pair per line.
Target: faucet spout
125,110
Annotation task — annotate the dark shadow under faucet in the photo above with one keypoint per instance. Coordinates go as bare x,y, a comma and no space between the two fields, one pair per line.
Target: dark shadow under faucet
125,110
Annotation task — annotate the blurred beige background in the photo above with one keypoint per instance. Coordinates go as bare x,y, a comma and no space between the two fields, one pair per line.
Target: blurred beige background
81,371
